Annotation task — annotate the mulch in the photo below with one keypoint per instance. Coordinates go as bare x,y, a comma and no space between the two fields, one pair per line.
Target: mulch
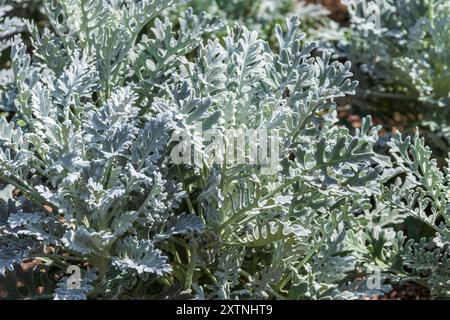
337,9
406,291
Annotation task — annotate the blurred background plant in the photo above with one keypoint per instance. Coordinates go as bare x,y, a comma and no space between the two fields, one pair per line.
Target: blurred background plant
263,15
12,13
400,51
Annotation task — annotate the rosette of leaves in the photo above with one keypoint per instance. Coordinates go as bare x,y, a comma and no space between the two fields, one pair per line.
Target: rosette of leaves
402,49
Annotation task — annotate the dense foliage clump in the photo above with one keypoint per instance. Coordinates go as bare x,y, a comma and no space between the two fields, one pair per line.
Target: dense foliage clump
402,48
133,148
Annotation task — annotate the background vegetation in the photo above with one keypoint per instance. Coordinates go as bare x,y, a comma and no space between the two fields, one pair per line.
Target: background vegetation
91,92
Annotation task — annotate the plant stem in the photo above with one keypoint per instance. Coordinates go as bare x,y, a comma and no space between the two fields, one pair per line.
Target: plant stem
188,199
60,256
189,273
387,95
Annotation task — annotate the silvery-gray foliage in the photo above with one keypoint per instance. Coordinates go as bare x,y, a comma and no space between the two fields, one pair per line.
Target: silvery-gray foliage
263,15
421,190
63,292
93,112
9,25
12,23
273,230
76,146
403,46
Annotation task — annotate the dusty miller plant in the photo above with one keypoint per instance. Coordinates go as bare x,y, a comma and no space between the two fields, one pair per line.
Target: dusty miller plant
263,15
9,25
402,48
77,147
86,158
421,190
